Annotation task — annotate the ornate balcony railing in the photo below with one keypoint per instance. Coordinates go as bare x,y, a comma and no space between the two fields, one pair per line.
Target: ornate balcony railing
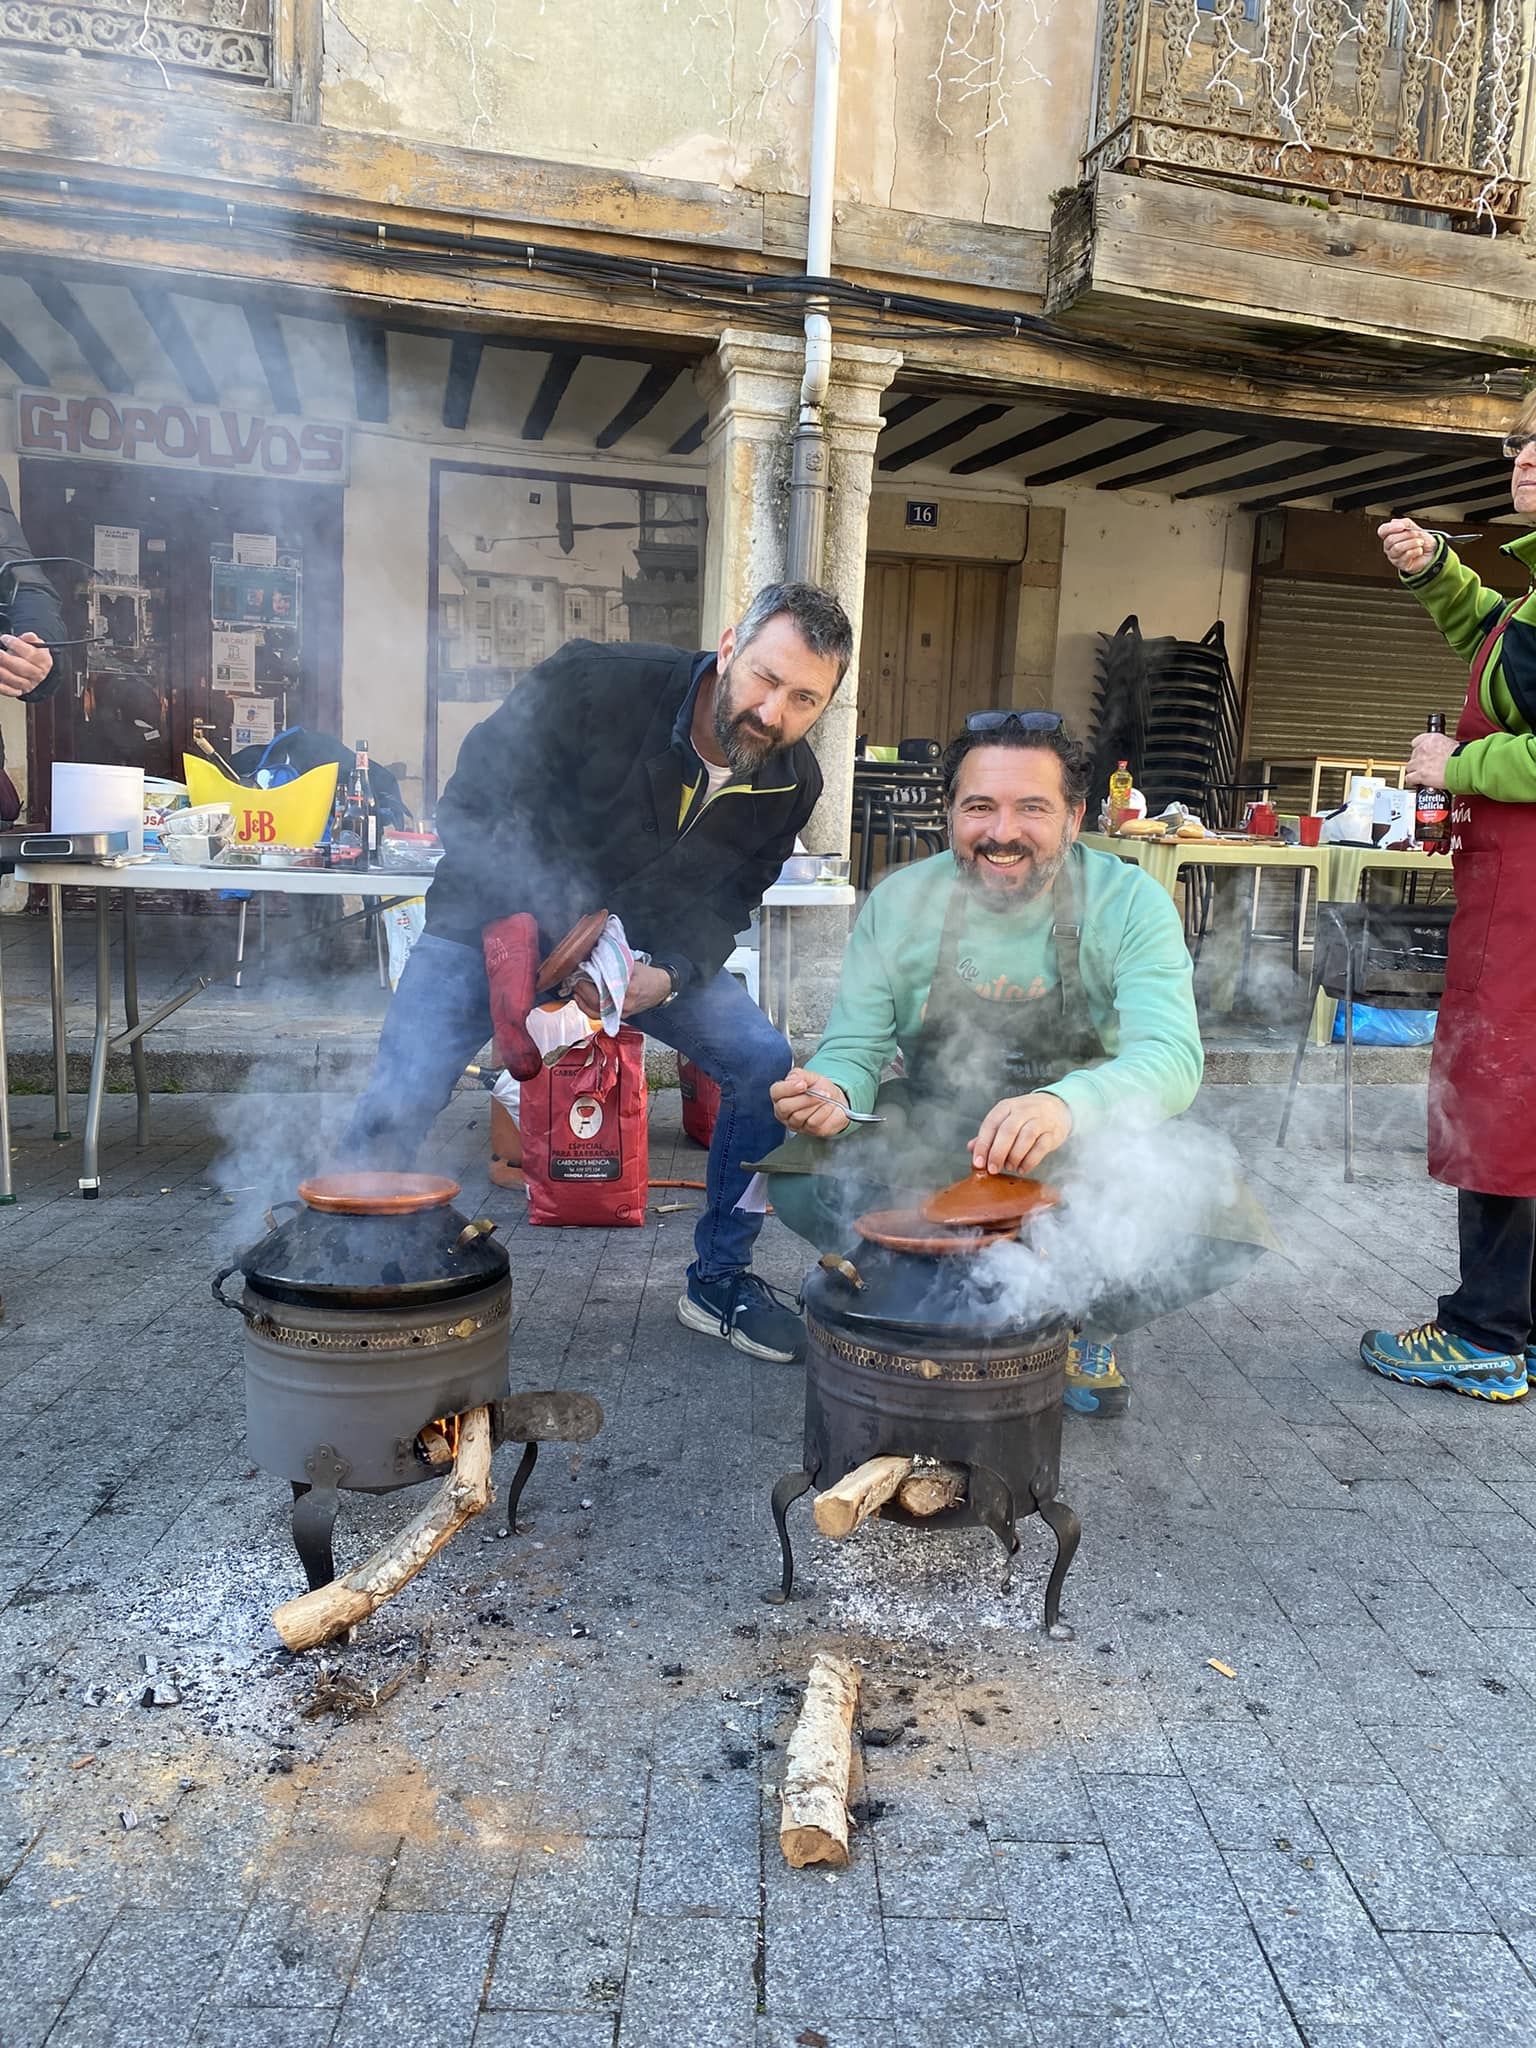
1416,104
216,38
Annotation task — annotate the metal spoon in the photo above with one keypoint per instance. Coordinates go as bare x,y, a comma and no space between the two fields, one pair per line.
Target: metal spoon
1440,534
854,1116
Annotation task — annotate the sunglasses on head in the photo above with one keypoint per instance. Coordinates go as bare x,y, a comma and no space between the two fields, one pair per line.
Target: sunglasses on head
1023,721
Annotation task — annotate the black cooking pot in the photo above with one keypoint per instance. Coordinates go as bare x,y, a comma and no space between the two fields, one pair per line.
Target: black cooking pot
329,1253
896,1297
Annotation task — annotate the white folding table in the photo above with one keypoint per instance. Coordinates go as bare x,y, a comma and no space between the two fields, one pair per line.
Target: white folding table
162,876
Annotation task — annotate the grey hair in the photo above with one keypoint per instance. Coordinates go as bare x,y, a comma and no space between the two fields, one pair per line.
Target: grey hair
819,619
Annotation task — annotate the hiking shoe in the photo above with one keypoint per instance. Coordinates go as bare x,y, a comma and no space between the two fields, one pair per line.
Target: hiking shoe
1094,1385
1432,1357
744,1310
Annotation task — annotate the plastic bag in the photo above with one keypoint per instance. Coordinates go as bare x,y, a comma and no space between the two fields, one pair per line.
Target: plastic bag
1387,1027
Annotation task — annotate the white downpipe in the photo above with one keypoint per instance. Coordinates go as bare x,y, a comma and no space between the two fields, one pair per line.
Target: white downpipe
808,477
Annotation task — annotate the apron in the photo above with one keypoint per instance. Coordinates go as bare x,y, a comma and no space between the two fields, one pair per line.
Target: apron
970,1052
1482,1077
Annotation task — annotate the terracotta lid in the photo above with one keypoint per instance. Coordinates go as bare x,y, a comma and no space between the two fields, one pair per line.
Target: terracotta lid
377,1194
907,1230
571,951
989,1198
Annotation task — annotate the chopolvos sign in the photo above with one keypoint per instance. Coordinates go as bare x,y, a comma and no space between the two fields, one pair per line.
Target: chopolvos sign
51,423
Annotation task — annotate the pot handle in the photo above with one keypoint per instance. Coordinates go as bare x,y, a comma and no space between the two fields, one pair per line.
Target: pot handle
483,1226
223,1299
845,1269
270,1218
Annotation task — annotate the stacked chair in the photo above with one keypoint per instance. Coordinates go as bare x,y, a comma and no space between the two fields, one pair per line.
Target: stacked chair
1171,708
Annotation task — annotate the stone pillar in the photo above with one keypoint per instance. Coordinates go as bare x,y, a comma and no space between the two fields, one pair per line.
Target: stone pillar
752,388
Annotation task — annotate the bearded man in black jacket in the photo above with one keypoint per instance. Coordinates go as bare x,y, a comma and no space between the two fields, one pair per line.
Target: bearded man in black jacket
669,787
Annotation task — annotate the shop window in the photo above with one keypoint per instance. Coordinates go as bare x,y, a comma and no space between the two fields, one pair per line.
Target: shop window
571,558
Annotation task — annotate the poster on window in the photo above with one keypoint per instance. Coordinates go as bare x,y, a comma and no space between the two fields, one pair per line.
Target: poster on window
234,657
246,594
256,550
253,722
116,554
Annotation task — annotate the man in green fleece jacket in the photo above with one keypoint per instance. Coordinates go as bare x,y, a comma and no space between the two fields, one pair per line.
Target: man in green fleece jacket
1034,991
1482,1083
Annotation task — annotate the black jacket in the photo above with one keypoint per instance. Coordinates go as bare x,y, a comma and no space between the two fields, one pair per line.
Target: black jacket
34,606
569,797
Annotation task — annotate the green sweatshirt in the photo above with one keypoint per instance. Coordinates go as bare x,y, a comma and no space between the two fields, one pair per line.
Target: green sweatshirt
1135,968
1502,766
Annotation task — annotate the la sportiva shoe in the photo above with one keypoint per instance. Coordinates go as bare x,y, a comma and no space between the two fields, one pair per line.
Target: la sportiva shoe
1094,1385
1432,1357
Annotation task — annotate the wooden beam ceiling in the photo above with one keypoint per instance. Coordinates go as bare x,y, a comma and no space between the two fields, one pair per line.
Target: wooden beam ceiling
945,437
61,304
368,345
646,396
1041,435
266,331
463,369
159,309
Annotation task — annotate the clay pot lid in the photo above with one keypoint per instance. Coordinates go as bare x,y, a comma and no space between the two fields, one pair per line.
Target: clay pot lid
377,1194
571,951
984,1199
908,1230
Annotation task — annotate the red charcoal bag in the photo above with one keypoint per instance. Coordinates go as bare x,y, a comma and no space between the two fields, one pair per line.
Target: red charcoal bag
701,1100
586,1146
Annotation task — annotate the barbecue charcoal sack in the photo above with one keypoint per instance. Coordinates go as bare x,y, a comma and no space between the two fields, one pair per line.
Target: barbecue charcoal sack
585,1144
701,1100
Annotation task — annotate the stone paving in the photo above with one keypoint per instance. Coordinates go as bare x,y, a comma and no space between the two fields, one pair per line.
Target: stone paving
534,1801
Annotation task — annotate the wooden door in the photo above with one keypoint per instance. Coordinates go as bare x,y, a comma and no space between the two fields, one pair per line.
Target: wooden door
140,691
932,646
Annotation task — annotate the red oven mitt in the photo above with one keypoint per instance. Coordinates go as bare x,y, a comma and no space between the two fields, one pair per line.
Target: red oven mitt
511,962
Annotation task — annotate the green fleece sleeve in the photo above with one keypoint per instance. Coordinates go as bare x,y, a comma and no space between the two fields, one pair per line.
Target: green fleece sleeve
861,1033
1502,766
1157,1058
1455,599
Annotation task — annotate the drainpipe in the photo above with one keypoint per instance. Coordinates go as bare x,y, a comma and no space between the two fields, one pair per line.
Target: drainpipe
808,463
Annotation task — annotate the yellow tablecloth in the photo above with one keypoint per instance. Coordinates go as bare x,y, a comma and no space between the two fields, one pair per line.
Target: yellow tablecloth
1164,860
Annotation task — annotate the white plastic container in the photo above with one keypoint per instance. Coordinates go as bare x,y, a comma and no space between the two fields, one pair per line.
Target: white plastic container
88,797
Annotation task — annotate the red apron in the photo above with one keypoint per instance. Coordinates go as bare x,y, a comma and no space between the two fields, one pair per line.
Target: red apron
1482,1081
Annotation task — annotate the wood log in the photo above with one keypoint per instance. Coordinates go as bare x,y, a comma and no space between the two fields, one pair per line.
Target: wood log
329,1611
839,1511
813,1821
932,1490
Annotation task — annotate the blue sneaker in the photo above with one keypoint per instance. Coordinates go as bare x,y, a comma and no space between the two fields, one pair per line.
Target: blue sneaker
1432,1357
1094,1385
746,1311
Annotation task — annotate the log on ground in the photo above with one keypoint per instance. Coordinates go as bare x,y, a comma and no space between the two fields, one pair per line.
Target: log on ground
813,1822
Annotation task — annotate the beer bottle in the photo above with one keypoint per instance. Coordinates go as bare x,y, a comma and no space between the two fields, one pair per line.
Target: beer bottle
1432,807
338,813
352,835
370,806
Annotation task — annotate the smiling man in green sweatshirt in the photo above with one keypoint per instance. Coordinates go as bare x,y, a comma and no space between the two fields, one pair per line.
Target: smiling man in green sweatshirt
1031,991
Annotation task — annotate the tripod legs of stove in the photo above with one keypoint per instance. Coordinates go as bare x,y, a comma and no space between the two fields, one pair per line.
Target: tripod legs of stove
314,1518
992,1505
1067,1530
788,1490
520,1478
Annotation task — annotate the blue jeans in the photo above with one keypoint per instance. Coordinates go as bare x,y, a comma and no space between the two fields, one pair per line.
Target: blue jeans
440,1017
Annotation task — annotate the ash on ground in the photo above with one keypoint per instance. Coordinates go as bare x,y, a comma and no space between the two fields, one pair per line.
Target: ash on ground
937,1588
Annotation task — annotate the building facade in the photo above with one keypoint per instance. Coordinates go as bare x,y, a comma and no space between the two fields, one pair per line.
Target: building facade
357,354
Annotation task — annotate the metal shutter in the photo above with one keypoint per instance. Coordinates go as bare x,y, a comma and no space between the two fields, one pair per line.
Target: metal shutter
1343,669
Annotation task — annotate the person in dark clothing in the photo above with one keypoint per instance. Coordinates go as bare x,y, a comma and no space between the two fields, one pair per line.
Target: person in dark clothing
668,787
30,628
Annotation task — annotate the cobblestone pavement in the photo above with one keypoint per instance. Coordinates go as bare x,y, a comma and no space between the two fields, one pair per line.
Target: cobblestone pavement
559,1827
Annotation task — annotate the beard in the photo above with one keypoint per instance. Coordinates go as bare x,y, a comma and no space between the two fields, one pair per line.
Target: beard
744,741
1031,880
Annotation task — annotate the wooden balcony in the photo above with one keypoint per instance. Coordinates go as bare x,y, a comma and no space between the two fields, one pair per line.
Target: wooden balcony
1415,109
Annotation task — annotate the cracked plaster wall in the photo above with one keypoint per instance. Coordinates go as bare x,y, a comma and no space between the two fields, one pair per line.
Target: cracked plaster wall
718,91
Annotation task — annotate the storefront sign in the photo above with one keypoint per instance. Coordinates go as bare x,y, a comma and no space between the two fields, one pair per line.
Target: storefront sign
195,437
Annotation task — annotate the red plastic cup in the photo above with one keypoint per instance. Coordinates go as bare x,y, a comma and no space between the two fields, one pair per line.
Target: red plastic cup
1311,830
1263,821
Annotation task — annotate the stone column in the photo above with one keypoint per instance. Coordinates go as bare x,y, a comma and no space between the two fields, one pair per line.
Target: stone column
752,388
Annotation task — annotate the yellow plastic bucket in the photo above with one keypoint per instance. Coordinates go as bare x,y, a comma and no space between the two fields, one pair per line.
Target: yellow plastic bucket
294,814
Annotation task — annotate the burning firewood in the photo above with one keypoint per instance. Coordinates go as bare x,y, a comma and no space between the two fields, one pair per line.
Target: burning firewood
931,1489
813,1823
329,1611
839,1511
